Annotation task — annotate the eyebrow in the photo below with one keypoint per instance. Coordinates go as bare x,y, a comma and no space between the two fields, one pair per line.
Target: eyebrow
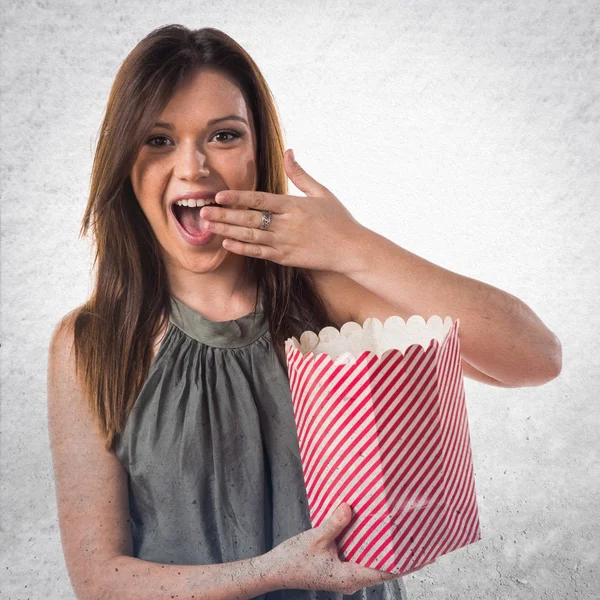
211,122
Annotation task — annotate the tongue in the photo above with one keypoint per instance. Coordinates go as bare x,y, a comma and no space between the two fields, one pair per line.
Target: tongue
189,217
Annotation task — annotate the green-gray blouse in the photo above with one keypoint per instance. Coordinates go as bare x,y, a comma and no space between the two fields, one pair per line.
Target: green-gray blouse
212,453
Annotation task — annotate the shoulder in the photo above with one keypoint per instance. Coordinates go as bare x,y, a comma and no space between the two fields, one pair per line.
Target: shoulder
61,363
65,391
61,358
63,334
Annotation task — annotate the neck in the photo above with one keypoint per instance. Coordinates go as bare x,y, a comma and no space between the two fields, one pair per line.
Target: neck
225,293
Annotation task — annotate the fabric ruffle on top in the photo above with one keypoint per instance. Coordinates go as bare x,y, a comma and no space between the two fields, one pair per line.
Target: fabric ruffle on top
211,451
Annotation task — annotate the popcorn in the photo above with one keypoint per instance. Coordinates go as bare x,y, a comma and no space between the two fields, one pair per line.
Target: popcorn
382,424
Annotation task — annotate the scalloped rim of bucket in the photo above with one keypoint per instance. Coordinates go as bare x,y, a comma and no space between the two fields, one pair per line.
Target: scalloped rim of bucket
352,339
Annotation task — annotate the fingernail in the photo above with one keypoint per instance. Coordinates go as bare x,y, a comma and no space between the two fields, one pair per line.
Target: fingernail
292,156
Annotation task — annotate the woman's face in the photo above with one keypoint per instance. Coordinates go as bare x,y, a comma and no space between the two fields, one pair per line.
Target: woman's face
195,154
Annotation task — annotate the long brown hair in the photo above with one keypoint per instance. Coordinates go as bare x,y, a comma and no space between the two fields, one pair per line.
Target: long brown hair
130,301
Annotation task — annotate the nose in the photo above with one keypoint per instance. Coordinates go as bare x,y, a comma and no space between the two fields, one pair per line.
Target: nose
191,163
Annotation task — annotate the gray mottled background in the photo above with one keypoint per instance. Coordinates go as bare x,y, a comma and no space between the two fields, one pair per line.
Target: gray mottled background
467,132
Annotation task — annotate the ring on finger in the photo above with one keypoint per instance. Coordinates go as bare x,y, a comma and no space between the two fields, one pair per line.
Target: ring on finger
266,220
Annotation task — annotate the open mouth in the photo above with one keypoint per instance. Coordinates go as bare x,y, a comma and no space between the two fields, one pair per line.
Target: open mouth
189,217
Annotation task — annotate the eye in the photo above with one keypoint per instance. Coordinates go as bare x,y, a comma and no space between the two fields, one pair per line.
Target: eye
235,134
162,139
157,137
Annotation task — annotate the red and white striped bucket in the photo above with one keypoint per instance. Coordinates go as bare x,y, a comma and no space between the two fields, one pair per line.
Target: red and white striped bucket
382,424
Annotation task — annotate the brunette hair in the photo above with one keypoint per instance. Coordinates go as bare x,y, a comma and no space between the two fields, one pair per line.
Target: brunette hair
130,301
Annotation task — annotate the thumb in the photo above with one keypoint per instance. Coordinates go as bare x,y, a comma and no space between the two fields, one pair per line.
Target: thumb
301,179
337,521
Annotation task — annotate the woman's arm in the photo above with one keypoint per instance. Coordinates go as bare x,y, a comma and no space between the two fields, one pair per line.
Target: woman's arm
346,301
93,510
129,578
500,335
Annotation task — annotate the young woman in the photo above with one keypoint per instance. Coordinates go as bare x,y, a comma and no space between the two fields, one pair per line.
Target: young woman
175,454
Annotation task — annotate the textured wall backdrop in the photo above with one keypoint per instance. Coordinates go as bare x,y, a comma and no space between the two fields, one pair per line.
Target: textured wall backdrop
466,131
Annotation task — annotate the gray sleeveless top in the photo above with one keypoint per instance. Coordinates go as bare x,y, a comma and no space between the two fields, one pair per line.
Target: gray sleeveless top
211,451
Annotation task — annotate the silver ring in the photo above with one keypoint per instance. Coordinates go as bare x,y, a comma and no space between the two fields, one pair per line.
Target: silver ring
266,219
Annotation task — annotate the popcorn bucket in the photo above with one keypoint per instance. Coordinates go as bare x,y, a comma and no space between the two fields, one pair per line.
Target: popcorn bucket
382,424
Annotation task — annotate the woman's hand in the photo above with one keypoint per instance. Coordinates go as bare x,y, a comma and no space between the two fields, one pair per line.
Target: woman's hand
310,560
312,232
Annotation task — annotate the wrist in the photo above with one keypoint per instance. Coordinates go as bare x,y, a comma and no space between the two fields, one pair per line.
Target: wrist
266,568
357,253
281,575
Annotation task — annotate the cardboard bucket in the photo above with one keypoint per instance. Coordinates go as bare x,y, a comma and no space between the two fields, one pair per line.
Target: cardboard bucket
382,424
